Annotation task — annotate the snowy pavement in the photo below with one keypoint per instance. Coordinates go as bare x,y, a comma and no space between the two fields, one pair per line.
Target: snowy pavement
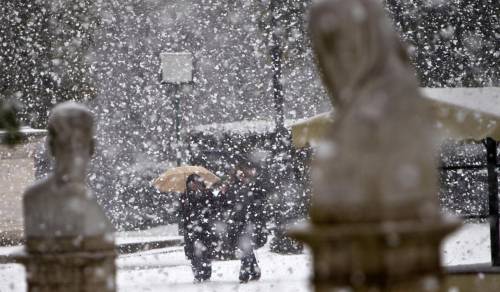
167,269
469,245
156,237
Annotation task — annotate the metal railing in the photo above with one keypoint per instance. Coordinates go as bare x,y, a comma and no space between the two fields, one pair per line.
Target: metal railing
493,209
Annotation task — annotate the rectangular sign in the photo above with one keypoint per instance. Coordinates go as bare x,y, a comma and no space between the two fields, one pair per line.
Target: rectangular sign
176,67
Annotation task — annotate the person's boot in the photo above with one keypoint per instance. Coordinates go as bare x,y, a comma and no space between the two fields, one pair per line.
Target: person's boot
201,278
244,275
255,272
250,274
250,271
202,270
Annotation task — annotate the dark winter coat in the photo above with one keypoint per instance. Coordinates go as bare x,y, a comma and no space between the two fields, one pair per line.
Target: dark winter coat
197,213
247,203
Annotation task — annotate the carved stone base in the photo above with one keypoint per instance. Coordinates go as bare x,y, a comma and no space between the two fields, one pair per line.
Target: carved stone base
70,264
68,244
392,256
71,272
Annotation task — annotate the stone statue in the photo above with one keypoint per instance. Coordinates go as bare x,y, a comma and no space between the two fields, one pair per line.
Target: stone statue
382,162
375,214
69,240
60,206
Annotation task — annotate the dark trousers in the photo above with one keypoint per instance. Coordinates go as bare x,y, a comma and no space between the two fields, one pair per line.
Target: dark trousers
249,262
249,266
202,268
201,260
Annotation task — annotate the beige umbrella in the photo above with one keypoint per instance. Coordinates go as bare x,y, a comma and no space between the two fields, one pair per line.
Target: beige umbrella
174,180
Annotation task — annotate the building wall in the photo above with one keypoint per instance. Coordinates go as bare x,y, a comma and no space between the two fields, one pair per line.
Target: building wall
16,174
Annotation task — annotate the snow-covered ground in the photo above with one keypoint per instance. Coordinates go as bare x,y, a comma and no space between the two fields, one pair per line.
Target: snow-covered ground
159,233
481,99
167,269
469,245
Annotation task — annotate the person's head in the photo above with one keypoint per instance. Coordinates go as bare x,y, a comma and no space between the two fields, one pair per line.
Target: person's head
195,182
245,172
70,136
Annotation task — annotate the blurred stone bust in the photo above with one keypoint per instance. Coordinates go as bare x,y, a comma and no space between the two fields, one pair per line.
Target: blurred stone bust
60,206
379,161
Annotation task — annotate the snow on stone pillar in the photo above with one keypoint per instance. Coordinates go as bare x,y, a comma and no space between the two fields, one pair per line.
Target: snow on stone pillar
69,240
376,222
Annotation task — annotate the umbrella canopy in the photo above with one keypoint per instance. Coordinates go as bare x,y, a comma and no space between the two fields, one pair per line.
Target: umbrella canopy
174,180
461,113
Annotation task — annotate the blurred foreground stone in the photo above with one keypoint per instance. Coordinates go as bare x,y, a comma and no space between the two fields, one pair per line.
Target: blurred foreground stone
376,223
69,240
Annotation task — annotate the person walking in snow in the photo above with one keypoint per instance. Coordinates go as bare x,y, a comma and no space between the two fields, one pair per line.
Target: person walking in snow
246,219
196,210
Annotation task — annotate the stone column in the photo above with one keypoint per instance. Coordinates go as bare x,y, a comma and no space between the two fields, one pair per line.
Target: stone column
376,223
69,240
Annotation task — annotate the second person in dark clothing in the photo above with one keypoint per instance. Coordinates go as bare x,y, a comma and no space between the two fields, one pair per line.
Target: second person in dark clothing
246,218
196,210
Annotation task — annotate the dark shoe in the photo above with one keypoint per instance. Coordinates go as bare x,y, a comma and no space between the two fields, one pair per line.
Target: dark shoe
249,270
255,274
244,276
200,279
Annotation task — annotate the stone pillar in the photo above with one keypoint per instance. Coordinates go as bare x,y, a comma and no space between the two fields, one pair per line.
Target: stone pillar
376,223
79,268
69,240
